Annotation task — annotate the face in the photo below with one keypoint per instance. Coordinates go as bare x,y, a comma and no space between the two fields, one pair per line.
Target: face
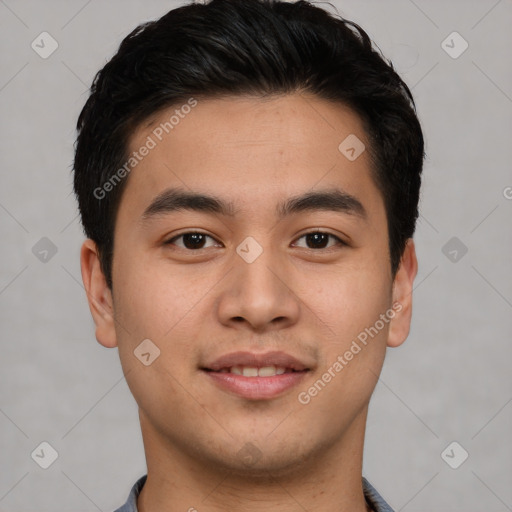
257,298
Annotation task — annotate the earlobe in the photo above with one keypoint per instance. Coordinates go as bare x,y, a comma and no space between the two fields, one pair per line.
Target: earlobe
402,296
98,293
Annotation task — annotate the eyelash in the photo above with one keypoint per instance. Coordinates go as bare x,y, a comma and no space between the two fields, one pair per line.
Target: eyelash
339,240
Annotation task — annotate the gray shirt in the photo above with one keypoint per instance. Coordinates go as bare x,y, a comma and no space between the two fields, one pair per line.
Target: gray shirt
371,495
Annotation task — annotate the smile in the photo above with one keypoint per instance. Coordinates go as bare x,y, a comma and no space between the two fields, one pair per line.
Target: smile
256,376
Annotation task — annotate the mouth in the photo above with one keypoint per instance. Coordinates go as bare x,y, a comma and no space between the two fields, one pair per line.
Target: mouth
254,371
256,376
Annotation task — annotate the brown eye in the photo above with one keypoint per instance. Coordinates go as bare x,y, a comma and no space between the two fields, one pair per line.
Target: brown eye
320,240
192,240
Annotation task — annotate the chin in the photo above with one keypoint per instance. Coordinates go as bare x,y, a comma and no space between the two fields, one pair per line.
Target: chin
267,468
264,461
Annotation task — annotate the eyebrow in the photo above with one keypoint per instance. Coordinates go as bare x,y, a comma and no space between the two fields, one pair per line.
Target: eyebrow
175,199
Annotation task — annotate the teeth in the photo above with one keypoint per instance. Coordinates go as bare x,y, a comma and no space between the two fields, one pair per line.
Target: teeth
249,371
252,371
267,371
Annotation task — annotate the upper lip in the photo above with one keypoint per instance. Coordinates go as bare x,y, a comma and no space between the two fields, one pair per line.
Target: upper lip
276,358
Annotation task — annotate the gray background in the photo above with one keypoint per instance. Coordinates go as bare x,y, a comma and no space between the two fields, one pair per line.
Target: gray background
450,381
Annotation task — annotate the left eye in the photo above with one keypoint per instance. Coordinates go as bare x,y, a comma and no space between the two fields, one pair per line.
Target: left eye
196,240
319,239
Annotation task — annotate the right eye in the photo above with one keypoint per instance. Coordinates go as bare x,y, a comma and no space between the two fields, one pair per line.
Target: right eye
192,240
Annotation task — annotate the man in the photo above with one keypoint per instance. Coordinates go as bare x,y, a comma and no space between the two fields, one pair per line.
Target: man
248,176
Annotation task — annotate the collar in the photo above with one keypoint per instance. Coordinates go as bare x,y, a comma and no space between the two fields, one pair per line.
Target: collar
373,498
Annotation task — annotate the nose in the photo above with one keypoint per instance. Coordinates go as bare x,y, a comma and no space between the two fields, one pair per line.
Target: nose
259,295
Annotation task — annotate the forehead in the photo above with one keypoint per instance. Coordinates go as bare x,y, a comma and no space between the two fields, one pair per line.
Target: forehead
252,148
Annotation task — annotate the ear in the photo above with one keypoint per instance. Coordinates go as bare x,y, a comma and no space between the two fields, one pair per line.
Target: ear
402,296
99,294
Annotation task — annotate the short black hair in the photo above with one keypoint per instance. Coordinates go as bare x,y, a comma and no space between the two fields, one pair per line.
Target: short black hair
246,47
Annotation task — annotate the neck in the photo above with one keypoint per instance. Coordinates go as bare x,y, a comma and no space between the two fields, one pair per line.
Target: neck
330,479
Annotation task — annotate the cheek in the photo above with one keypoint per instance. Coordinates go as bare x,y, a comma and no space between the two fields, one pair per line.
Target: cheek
165,304
346,300
152,296
151,303
353,351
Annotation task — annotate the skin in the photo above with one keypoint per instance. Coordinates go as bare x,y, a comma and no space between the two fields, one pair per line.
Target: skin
198,304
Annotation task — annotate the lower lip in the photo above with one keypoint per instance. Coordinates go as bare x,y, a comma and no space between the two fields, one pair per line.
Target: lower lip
256,388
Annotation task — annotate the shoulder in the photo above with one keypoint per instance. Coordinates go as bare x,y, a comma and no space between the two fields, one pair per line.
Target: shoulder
374,498
131,502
